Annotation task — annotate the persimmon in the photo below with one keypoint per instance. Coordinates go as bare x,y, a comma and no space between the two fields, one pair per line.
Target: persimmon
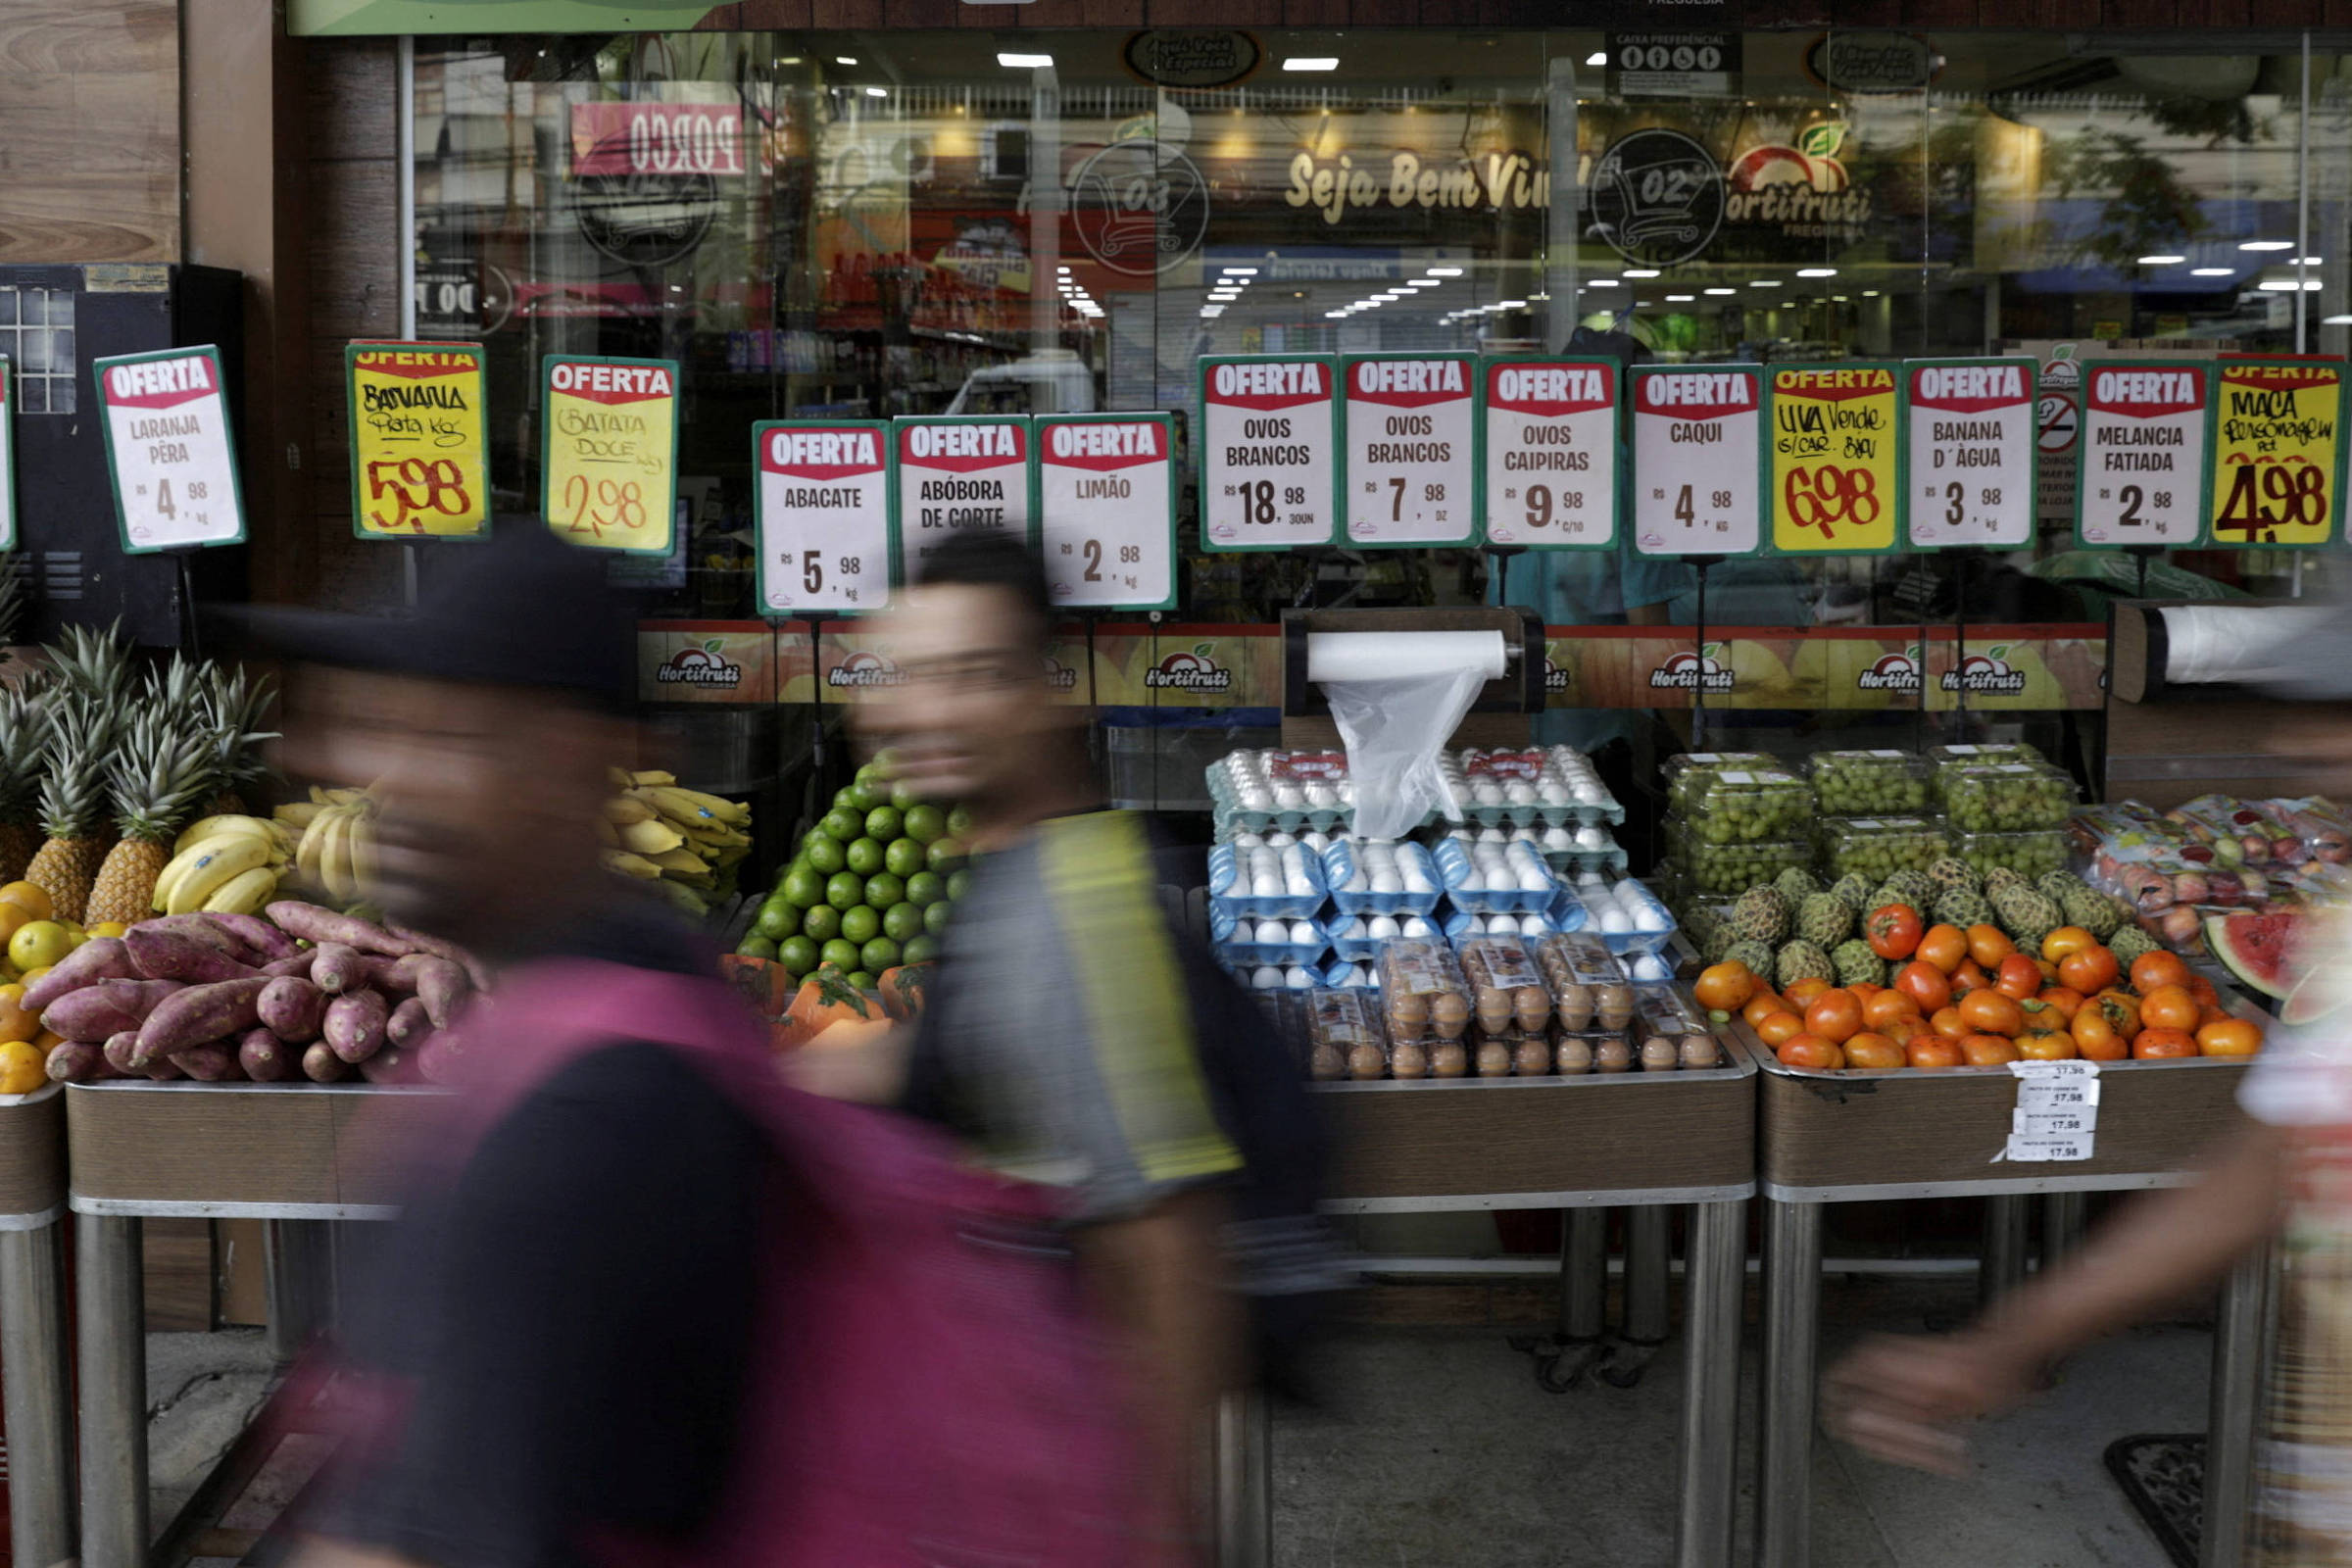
1873,1053
2207,1013
2159,968
1762,1005
2231,1037
2047,1044
2062,1001
1988,944
1933,1053
1834,1015
2065,939
2092,970
1892,930
2163,1045
1943,946
1909,1027
1779,1027
2018,978
1863,989
2169,1008
2095,1038
1811,1051
1988,1012
1925,984
1987,1050
1800,994
2202,989
1883,1009
1948,1024
1725,987
2049,971
1970,976
2122,1009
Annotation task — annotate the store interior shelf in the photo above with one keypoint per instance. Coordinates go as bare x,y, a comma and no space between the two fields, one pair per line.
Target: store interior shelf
233,1146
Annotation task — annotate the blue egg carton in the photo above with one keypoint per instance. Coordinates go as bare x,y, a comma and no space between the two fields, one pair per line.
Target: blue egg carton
1340,975
1233,817
1458,922
1610,861
1338,869
1364,949
1454,866
1225,873
1623,943
1223,924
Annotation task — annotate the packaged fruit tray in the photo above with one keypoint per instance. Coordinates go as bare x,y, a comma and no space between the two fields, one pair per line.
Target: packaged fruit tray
1744,806
2032,854
1496,879
1872,783
1681,774
1368,877
1877,847
1243,939
1264,882
1944,760
1732,868
2007,798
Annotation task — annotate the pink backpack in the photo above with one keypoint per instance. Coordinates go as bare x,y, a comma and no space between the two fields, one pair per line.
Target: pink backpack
926,1390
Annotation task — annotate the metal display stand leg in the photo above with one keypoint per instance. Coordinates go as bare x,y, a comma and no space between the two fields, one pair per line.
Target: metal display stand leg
1245,1482
110,1316
2002,1268
1792,1354
40,1402
298,1257
1648,1243
2238,1334
1584,1273
1715,1287
2062,1218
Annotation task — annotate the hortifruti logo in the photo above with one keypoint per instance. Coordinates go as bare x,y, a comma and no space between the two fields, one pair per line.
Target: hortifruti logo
864,669
1555,678
1060,677
1987,673
1895,671
704,666
1194,671
1694,672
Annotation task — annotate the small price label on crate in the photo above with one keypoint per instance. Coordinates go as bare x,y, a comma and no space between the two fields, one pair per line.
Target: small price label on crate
2057,1112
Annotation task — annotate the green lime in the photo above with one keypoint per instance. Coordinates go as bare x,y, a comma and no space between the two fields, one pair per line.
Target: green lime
923,948
861,980
803,888
860,924
798,955
882,890
866,795
960,822
841,824
777,920
879,954
841,955
926,888
935,918
958,884
902,922
824,852
884,822
846,890
904,858
755,946
820,923
903,797
926,823
945,855
866,856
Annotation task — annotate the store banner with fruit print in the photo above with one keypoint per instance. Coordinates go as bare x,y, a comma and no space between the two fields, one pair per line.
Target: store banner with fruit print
1697,454
2142,477
1106,509
170,450
823,523
1835,473
2277,439
1970,458
1270,452
2010,669
420,440
609,472
1548,445
706,661
1408,431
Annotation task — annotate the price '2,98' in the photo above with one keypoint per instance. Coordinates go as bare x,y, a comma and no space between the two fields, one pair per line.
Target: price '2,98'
416,486
604,504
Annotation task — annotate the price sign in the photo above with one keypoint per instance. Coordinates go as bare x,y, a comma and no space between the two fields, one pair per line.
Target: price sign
2276,437
8,455
1547,447
609,474
170,450
1268,439
1835,474
2142,480
1107,504
1408,426
420,440
1972,451
824,519
1698,444
2057,1114
951,473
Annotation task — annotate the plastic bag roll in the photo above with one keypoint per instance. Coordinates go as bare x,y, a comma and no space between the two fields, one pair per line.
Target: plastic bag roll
2254,644
1396,697
1398,655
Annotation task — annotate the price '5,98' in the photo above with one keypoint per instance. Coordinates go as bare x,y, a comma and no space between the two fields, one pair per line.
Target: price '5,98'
812,572
416,486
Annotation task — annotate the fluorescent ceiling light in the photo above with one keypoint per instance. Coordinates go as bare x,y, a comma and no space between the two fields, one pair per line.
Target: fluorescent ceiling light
1014,62
1723,291
2266,245
1212,311
2288,286
1817,272
2212,271
1763,282
789,60
1311,63
1640,271
2310,261
1598,57
2335,321
877,92
1333,316
1870,293
1444,271
1237,272
1679,299
1425,283
2162,261
1062,270
1511,305
1838,299
1601,282
845,60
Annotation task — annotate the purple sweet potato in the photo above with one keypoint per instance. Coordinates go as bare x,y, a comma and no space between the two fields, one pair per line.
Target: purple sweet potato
99,959
118,1048
390,1066
207,1064
292,1009
202,928
337,968
392,976
164,1070
314,924
477,972
198,1016
265,1059
96,1012
297,964
355,1024
76,1061
321,1065
159,954
442,1058
409,1023
254,932
442,986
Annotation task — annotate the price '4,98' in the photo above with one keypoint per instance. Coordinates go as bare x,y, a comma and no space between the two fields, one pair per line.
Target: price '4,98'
414,487
2301,491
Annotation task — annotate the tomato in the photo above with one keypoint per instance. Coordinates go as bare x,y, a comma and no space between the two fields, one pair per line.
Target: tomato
2169,1008
2122,1009
1925,984
1943,946
1892,930
1988,944
1813,1052
2162,1045
1873,1054
1802,994
2153,969
1933,1053
1835,1017
1988,1012
2018,976
1948,1023
1779,1027
1724,987
1762,1005
2061,999
2095,1038
1970,976
2090,970
2045,1044
2067,939
2231,1037
1987,1050
1886,1007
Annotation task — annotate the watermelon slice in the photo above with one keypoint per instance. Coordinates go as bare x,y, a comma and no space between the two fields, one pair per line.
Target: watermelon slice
2258,949
2313,1000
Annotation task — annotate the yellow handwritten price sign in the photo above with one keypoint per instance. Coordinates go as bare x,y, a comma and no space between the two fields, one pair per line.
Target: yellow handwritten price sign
609,474
420,440
2278,453
1835,472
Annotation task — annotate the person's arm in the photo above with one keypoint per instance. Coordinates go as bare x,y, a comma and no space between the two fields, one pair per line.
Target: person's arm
1899,1398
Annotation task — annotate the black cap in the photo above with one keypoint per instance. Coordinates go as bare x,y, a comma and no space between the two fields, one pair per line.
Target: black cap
521,609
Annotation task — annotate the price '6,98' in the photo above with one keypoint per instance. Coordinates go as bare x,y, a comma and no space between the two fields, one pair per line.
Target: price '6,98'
1826,497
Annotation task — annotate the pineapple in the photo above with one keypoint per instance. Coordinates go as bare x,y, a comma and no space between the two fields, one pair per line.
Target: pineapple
232,709
23,733
73,800
93,663
156,779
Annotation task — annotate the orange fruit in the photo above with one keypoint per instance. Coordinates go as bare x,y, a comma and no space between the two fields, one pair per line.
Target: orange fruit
1909,1027
1872,1052
1812,1051
29,897
39,945
2095,1037
1882,1009
1802,993
17,1021
2148,972
1925,984
2202,989
1947,1023
2061,1001
24,1067
2231,1037
1724,987
2065,939
2160,1044
1987,1050
1834,1015
2091,970
2018,978
1779,1028
2121,1009
1762,1005
2046,1045
1933,1053
1988,944
2169,1008
1970,976
1988,1012
1943,946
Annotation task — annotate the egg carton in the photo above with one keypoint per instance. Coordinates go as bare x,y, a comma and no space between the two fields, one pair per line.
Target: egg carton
1408,886
1244,940
1356,938
1626,916
1528,787
1459,924
1232,819
1650,968
1350,974
1274,976
1473,887
1265,883
1314,839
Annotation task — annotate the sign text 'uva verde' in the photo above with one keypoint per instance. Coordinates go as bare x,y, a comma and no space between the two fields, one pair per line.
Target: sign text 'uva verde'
1550,434
1834,464
1269,447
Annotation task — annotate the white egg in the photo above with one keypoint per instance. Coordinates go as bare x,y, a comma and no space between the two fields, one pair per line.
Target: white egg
1590,794
1533,925
1298,887
1470,882
1321,796
1360,882
1266,977
1300,978
1304,934
1492,835
1254,799
1591,837
1266,885
1417,880
1501,925
1614,922
1588,879
1651,967
1265,931
1280,840
1360,977
1384,926
1462,835
1418,929
1652,920
1316,842
1526,835
1346,792
1551,792
1519,793
1535,881
1387,882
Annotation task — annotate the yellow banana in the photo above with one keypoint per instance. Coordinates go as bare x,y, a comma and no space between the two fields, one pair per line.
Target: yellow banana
681,859
608,835
215,865
245,893
346,796
168,878
653,776
623,810
334,859
313,843
695,805
206,827
360,843
627,864
298,815
650,838
619,777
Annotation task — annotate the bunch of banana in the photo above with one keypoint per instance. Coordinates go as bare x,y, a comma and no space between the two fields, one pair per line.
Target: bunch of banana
687,840
229,864
336,855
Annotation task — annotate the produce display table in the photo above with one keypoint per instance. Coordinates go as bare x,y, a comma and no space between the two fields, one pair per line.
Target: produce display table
1587,1142
1848,1137
32,1327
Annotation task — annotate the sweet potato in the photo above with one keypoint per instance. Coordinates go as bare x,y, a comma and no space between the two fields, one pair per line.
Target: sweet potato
207,1064
198,1016
321,1065
76,1061
442,1058
409,1024
256,933
265,1059
337,968
160,953
199,928
118,1051
297,964
476,973
314,924
355,1024
292,1009
99,959
390,1066
392,976
96,1012
164,1070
